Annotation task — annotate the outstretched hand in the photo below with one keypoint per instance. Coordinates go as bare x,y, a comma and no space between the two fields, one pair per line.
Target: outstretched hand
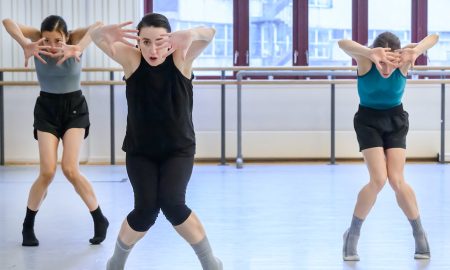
115,33
34,49
179,40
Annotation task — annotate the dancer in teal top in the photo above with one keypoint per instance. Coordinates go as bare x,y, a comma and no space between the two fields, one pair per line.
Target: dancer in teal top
381,126
381,93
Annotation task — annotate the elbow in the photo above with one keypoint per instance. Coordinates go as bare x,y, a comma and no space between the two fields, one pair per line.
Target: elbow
96,25
433,39
6,21
341,43
436,37
212,33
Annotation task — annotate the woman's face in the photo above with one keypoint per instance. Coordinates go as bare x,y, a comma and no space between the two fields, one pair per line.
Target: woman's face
147,43
53,39
386,69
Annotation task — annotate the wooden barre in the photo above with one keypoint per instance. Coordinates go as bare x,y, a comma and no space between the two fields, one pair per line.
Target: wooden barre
239,68
235,82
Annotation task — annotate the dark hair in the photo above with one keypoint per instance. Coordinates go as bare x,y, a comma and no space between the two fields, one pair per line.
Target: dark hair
155,20
54,23
387,40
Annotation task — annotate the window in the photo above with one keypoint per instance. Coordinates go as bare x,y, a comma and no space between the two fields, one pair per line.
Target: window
326,28
214,13
320,3
392,16
271,33
439,55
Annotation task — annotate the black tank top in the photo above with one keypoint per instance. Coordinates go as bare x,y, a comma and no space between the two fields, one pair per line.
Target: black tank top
159,121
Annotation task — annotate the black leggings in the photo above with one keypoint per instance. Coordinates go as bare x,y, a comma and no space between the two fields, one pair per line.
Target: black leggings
158,184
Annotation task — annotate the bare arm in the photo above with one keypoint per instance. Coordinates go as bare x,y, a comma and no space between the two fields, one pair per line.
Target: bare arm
201,37
187,45
410,45
410,54
426,43
22,34
111,40
365,56
81,37
358,52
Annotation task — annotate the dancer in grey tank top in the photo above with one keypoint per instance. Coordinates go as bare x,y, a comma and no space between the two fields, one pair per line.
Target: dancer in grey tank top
60,112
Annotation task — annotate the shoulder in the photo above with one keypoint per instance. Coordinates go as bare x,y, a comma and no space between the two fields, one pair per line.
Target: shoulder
364,65
133,63
183,65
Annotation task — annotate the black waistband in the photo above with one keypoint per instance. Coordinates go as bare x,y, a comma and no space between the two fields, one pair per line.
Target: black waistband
58,96
391,111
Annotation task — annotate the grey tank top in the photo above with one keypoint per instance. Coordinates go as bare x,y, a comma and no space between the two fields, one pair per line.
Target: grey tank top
58,79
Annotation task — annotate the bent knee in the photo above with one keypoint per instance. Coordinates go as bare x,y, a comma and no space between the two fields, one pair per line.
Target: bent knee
70,172
47,175
176,214
396,182
378,182
142,219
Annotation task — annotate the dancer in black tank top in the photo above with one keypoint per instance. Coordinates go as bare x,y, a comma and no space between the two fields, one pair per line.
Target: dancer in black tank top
160,140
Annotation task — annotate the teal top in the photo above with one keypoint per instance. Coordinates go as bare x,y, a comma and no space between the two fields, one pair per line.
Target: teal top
381,93
58,79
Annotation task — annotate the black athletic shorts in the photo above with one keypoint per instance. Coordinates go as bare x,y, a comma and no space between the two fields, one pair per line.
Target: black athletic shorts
381,128
56,113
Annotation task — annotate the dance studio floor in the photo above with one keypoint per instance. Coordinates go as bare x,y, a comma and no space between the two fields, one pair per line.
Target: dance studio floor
264,216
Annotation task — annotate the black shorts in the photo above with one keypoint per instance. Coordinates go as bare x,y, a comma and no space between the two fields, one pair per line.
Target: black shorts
56,113
381,128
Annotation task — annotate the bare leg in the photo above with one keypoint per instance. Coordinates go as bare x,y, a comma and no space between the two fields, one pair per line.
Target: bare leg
48,155
70,165
125,242
48,145
376,164
193,232
406,199
129,236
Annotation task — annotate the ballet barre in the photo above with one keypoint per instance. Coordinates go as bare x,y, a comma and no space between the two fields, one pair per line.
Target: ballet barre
331,73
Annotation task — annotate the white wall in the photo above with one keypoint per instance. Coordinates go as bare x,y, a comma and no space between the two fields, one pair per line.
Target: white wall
279,121
19,101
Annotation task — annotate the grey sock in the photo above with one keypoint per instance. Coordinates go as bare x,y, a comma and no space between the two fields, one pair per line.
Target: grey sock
205,255
355,227
118,259
351,239
419,236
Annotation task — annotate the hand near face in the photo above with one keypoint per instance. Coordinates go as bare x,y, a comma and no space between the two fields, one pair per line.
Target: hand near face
179,40
384,55
66,52
408,56
34,49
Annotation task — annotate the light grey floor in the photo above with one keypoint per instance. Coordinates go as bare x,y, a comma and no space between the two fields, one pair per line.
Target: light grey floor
262,217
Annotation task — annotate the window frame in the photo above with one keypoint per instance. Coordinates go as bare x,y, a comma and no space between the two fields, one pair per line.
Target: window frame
419,28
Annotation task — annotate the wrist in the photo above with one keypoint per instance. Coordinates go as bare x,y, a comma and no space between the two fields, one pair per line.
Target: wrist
77,47
24,43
